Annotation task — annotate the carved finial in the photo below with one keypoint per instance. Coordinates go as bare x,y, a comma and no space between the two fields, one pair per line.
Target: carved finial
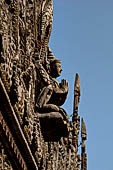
83,146
77,85
83,130
76,95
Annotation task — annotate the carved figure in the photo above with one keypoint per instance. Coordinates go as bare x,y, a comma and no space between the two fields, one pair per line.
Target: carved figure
53,94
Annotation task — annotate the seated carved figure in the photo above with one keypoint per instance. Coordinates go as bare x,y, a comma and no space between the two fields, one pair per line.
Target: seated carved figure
53,94
50,96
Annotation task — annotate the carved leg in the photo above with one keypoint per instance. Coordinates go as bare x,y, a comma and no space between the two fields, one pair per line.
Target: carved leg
42,101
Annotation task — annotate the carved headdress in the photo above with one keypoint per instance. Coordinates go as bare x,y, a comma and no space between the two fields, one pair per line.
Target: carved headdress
50,55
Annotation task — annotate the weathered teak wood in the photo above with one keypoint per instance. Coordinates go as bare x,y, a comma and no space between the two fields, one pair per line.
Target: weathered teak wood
9,116
34,128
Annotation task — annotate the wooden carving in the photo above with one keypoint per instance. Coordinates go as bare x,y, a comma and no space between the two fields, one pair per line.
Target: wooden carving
35,131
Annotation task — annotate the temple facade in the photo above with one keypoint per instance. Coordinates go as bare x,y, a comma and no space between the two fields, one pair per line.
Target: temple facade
35,131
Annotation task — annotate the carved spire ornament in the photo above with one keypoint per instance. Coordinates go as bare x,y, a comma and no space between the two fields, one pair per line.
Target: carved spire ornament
83,146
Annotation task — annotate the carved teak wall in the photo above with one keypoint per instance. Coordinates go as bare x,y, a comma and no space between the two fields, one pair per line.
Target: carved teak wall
35,132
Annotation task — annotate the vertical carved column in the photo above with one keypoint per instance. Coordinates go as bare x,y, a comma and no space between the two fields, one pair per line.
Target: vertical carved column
83,146
76,118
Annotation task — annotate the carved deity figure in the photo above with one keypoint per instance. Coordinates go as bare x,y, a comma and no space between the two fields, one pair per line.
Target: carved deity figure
53,94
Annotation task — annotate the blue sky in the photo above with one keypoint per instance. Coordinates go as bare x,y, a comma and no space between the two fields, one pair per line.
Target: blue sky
82,38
